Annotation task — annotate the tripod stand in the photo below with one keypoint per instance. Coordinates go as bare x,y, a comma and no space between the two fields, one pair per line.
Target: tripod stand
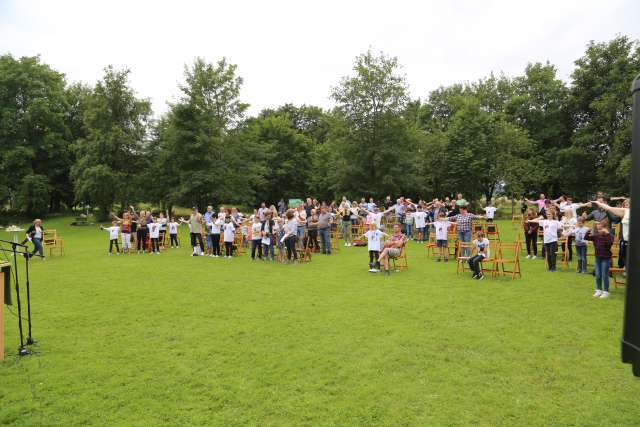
22,350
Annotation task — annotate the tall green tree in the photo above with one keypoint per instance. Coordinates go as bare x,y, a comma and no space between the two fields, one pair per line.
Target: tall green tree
109,157
34,155
601,104
372,153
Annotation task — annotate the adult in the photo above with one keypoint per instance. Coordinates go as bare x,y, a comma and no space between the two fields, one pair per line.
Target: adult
35,234
262,211
600,213
324,229
344,212
388,202
540,203
301,217
312,231
392,248
308,205
531,234
371,205
281,207
290,231
209,214
461,201
195,231
464,221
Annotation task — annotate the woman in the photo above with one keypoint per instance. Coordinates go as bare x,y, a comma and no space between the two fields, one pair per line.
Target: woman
312,231
35,234
345,222
291,230
392,248
531,234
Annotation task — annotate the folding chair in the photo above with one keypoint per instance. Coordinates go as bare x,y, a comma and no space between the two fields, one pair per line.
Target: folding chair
51,241
507,254
517,219
462,260
564,258
400,262
492,232
431,246
616,273
478,226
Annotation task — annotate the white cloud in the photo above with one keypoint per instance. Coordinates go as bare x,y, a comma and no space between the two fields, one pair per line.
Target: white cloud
293,51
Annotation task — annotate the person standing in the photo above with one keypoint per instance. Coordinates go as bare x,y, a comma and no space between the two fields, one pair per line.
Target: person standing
195,231
602,241
464,221
550,226
531,234
324,229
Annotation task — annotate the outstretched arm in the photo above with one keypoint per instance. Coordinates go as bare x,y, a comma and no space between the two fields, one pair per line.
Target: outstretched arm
616,211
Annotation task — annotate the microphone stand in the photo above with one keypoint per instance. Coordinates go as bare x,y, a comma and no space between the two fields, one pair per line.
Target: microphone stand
22,351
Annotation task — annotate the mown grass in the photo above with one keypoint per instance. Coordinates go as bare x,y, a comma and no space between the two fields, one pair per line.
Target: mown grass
172,339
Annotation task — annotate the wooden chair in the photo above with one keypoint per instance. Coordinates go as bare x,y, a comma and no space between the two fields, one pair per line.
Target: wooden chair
492,232
517,219
462,260
507,254
564,258
478,226
51,241
431,246
400,262
616,273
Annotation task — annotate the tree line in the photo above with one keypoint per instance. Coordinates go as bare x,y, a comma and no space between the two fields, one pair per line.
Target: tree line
67,144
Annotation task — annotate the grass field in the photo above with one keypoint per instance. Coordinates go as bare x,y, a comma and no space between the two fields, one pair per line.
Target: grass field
173,339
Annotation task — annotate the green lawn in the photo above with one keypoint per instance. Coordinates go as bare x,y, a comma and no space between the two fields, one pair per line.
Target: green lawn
173,339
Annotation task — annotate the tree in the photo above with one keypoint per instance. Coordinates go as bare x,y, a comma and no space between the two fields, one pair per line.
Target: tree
370,152
109,158
601,104
32,135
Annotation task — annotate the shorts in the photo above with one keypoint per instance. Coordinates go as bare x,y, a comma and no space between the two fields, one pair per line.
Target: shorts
442,243
394,252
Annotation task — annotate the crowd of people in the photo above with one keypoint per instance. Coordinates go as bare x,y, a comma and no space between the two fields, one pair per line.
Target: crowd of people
310,225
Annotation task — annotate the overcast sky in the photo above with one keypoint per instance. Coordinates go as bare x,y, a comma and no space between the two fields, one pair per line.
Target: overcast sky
295,51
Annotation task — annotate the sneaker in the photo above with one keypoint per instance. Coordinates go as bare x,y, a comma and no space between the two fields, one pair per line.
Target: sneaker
605,294
475,276
376,270
372,270
597,293
346,244
481,277
446,260
109,253
528,256
533,257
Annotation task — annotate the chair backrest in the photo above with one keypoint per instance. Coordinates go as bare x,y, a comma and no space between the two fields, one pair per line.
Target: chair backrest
465,245
478,226
50,233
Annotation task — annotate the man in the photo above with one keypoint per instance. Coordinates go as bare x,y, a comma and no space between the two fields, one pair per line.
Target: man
324,229
464,221
262,211
371,205
209,217
460,201
281,207
392,248
388,203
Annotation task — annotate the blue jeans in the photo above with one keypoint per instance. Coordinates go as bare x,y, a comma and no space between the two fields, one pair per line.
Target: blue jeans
408,229
209,241
465,236
602,273
300,234
325,239
267,250
37,247
424,232
581,252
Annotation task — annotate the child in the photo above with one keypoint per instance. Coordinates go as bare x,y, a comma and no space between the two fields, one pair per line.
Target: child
266,230
550,227
481,244
408,224
113,236
280,238
581,245
374,237
173,233
602,242
568,228
154,234
289,238
216,228
420,218
490,211
442,239
256,238
229,235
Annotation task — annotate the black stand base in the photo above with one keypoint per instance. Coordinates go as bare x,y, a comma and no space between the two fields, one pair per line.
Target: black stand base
31,341
23,351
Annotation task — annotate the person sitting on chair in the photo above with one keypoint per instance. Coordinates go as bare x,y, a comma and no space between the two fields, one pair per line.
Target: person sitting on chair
392,248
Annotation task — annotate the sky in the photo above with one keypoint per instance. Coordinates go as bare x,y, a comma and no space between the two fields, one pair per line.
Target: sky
296,51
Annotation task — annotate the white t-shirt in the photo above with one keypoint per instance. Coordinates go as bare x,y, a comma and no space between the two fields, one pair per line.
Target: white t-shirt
442,227
291,227
173,228
113,232
256,231
154,230
491,211
570,228
482,246
420,218
374,238
163,223
550,228
215,226
580,232
38,233
377,218
229,232
625,224
572,206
